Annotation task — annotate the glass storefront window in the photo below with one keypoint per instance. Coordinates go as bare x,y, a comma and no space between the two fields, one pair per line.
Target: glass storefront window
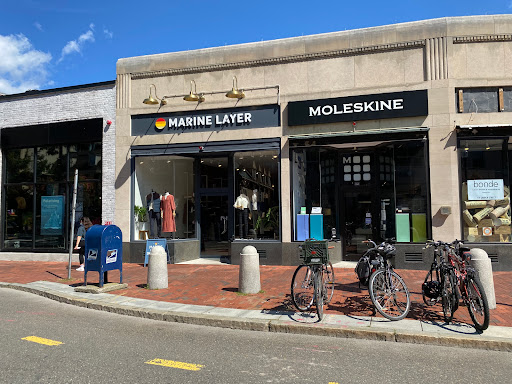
371,190
19,165
19,219
411,191
257,212
485,171
164,185
47,224
51,164
87,158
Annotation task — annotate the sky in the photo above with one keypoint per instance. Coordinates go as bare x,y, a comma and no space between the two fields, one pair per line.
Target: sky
47,44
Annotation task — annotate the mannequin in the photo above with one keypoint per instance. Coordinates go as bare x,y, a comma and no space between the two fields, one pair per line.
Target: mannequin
155,219
168,206
242,205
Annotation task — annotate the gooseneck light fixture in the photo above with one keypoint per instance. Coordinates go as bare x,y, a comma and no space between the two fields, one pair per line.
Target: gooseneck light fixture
154,100
235,93
193,95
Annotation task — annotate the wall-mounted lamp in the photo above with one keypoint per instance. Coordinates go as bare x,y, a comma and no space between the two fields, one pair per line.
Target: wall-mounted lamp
154,100
194,96
235,93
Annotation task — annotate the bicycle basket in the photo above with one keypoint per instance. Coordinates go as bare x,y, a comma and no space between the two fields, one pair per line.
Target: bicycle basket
315,252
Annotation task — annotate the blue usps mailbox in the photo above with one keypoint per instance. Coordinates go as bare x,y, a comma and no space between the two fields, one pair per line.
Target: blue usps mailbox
103,251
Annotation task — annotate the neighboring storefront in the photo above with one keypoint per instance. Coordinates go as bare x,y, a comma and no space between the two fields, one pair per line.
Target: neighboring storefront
45,136
395,131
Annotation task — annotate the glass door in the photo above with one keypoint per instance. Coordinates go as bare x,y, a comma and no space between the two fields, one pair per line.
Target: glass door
215,217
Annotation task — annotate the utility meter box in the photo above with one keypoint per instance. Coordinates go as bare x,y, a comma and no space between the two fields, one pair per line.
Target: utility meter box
103,251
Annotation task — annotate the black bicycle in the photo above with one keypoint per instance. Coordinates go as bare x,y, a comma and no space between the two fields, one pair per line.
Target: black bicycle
388,291
440,282
313,281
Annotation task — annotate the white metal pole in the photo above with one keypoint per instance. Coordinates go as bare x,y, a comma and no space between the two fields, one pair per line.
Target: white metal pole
72,234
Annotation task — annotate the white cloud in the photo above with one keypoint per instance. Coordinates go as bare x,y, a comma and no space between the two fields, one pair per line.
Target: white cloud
77,45
22,67
108,34
38,26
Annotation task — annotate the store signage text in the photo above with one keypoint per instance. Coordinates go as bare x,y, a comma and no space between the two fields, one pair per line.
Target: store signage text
227,119
357,108
488,189
209,120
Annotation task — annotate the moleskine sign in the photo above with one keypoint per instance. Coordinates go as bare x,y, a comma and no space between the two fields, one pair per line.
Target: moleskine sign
357,108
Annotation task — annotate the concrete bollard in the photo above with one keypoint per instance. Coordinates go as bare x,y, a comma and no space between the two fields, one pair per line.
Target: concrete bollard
249,278
158,277
483,267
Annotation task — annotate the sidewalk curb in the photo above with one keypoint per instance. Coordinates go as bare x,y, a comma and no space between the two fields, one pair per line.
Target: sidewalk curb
276,326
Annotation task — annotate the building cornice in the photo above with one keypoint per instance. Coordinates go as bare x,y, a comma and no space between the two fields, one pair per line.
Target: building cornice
283,59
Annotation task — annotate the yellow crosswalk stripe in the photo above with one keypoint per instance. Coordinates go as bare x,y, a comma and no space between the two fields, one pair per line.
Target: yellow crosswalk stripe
41,340
175,364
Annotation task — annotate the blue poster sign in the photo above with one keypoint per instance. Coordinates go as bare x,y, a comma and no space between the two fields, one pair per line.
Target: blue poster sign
52,215
150,243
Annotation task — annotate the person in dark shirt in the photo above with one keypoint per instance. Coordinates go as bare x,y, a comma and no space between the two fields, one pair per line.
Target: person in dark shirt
85,224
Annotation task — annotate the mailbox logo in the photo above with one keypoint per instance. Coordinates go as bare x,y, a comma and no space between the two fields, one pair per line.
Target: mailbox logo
111,256
92,255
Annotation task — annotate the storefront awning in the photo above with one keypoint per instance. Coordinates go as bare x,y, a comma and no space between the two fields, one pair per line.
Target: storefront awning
358,133
484,126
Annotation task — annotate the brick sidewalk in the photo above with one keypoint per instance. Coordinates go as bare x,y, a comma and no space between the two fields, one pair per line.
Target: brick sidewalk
217,285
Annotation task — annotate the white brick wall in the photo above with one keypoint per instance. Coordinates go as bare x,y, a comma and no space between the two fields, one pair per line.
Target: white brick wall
70,105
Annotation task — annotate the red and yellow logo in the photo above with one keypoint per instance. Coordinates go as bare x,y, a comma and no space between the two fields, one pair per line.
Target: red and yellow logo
160,123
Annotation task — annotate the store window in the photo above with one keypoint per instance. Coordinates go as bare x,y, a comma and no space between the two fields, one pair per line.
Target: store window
257,209
314,188
358,191
38,193
164,198
485,185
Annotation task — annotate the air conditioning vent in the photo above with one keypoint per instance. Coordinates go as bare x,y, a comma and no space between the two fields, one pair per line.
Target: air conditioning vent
413,257
493,257
262,253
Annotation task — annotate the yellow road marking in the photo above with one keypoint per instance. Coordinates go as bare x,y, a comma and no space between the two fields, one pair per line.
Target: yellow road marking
41,340
175,364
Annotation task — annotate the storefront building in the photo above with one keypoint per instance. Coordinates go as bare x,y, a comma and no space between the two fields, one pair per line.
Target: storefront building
45,136
394,131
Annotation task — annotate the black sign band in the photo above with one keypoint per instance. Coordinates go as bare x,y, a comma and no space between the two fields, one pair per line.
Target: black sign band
356,108
210,120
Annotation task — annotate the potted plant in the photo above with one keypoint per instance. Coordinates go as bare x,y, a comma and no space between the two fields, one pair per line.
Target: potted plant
140,217
269,221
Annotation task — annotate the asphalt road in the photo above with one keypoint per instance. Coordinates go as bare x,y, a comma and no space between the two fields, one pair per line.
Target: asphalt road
100,347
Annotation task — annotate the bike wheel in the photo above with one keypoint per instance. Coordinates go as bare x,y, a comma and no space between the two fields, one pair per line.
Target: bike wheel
478,306
319,293
302,288
328,278
389,294
448,295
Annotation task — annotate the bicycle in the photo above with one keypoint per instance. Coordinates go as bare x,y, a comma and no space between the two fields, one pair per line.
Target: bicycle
313,280
469,286
388,291
440,282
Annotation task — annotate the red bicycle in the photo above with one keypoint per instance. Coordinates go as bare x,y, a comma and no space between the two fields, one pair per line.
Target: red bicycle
469,287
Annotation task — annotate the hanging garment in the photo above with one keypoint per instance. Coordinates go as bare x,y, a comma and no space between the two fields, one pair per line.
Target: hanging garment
168,207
